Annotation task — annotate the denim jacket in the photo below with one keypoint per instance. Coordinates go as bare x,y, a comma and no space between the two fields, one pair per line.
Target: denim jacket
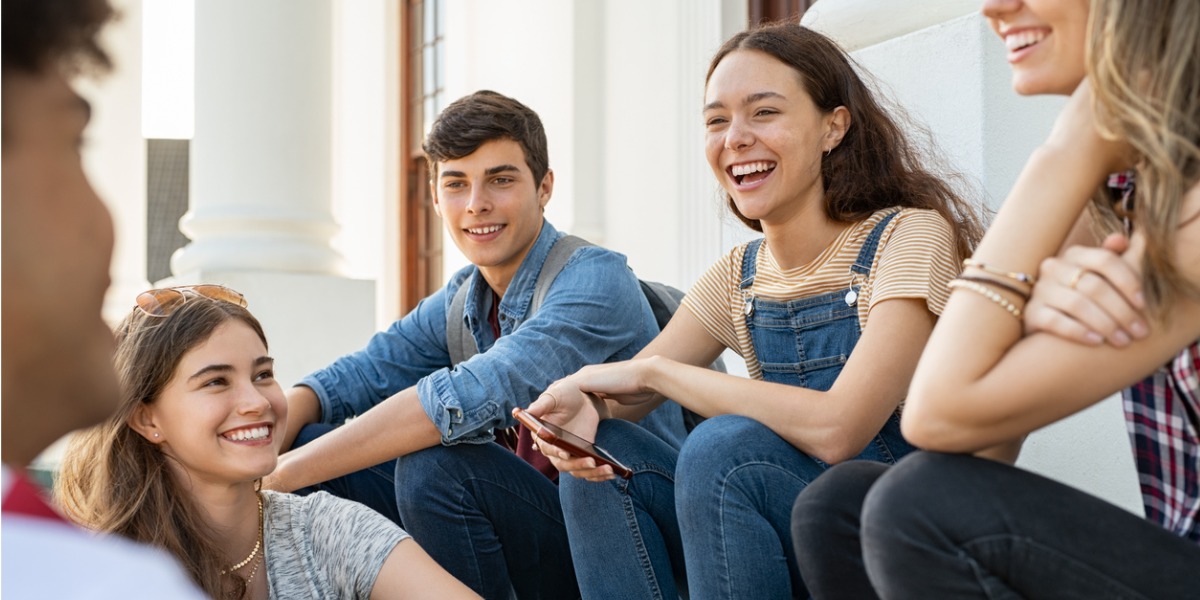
594,312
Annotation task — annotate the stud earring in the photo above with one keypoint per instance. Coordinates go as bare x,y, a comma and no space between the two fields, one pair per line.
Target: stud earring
156,435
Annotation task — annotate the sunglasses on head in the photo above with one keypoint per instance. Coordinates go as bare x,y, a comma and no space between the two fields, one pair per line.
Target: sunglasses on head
164,301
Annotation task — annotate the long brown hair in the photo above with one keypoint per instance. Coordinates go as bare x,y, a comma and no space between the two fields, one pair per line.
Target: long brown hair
1143,59
115,481
874,166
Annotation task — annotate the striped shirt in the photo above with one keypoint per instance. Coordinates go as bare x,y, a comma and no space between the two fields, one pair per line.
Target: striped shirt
916,258
1162,414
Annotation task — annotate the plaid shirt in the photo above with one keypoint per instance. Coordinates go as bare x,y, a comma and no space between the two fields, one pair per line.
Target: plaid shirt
1162,414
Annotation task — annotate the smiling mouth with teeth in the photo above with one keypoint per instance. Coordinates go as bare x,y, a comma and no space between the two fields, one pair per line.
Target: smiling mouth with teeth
248,434
485,230
1023,39
742,171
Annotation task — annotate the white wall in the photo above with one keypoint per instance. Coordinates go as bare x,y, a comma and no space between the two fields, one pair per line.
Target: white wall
525,49
114,156
366,145
619,86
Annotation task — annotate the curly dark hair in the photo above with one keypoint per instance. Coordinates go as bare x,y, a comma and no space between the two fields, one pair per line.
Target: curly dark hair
471,121
44,34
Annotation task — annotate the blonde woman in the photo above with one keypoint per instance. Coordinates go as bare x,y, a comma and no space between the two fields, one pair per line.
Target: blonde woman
951,523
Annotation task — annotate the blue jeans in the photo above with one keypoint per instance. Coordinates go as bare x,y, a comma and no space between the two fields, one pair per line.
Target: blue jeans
481,512
953,526
724,503
624,534
737,482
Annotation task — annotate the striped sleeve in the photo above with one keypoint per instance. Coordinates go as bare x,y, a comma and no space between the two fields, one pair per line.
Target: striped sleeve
710,299
918,260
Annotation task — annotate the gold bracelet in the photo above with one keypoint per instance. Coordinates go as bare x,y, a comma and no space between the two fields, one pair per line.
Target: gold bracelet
988,293
1024,278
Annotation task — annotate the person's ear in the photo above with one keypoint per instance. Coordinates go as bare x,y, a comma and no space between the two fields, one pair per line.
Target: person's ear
143,421
546,189
837,124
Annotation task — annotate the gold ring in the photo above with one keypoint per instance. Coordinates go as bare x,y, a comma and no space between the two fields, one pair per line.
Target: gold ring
552,396
1076,277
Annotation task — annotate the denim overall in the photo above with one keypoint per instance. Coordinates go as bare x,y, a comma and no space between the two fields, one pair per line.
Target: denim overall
806,342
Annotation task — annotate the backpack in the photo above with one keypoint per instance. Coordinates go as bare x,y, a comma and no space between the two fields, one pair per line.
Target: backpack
663,299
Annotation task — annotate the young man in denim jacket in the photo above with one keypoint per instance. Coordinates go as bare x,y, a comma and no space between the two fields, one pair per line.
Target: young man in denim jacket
482,509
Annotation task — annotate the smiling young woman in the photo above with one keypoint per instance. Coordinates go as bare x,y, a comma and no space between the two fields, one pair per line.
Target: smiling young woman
956,520
179,465
829,308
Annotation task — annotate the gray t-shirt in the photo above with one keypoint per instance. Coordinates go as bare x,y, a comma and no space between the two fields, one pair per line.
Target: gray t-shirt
321,546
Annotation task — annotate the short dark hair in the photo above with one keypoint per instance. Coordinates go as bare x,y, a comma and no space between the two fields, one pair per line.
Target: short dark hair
471,121
43,34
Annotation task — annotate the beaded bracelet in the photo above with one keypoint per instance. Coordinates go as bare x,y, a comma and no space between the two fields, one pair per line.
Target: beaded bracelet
988,293
1024,295
1024,278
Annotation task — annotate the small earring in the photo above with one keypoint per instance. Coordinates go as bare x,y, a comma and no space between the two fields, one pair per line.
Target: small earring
156,435
827,151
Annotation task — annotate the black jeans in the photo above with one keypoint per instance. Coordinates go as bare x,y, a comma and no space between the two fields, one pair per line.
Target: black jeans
953,526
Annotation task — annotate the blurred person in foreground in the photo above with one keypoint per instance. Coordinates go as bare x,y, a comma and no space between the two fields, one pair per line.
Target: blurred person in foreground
57,364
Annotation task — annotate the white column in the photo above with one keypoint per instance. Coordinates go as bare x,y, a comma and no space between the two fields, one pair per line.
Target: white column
260,216
261,177
944,65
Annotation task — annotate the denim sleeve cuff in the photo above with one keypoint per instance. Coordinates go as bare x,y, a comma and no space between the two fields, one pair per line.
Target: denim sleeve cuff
332,411
456,424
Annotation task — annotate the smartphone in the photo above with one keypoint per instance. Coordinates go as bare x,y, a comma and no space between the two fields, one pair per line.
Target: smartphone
561,438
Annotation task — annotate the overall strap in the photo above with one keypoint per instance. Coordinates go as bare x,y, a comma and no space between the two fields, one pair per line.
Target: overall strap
748,263
866,256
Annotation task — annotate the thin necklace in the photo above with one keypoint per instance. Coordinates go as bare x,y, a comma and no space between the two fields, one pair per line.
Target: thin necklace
257,545
253,572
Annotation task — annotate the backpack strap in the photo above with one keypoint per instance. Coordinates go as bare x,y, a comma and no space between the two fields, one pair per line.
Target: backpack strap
561,252
459,340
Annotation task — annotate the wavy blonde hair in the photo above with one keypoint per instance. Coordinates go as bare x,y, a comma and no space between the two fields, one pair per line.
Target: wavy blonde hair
115,481
1143,59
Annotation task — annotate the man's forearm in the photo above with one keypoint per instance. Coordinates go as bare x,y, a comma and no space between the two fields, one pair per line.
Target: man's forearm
394,428
303,408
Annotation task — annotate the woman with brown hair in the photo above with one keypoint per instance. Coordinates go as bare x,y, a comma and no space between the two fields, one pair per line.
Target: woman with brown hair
829,308
179,467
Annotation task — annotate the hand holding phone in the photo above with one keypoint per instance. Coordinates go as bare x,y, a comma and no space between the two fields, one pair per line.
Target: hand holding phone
574,445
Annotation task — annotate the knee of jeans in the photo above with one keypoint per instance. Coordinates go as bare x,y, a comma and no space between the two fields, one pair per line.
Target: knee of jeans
835,496
612,434
574,492
909,492
704,460
710,441
422,475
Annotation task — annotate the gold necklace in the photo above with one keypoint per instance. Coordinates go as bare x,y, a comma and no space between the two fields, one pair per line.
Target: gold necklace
253,572
257,544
